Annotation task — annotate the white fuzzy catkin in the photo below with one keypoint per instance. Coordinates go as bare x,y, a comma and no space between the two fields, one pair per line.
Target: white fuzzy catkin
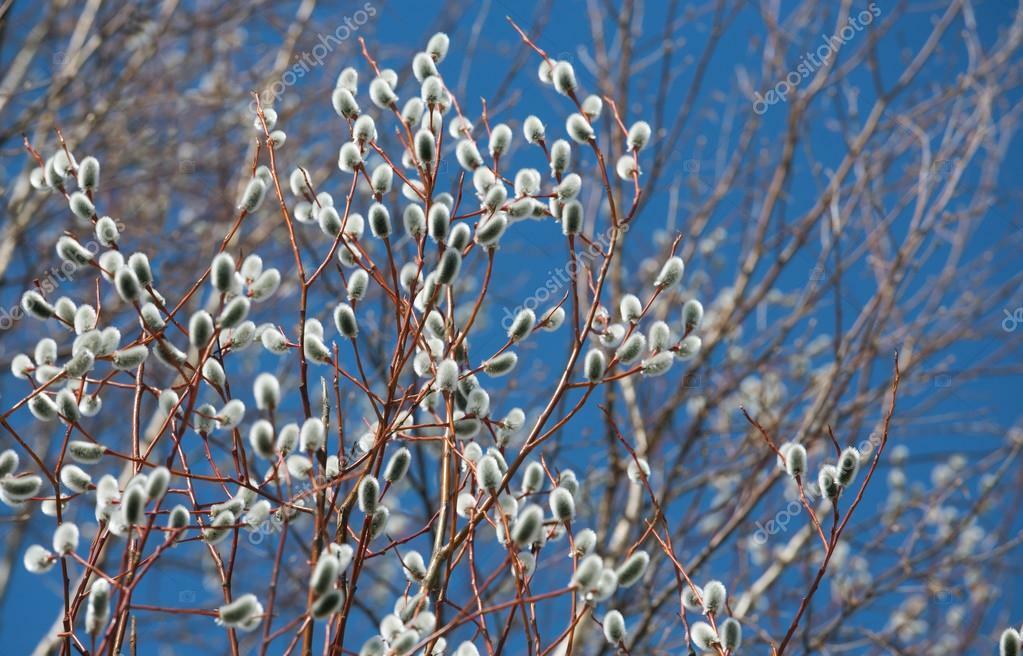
522,325
657,365
585,541
324,574
571,218
632,570
157,483
614,627
1009,643
344,320
703,635
437,46
244,613
222,272
261,437
563,76
312,435
488,473
795,460
689,347
37,560
671,273
579,129
97,610
639,135
500,140
714,597
528,526
106,231
848,466
827,481
449,267
562,504
65,538
369,494
731,634
267,391
200,329
533,129
692,315
501,364
594,365
398,465
75,478
587,571
631,348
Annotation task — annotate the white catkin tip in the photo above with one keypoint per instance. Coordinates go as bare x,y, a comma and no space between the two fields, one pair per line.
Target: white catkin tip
731,634
522,325
437,46
243,613
692,315
1008,644
671,273
795,460
532,478
585,541
562,504
9,462
500,365
528,526
267,391
312,435
37,559
415,566
657,365
222,272
614,627
157,483
848,466
398,465
369,494
488,473
563,77
632,570
324,574
344,320
579,129
594,365
81,206
571,218
97,612
639,135
587,571
689,347
626,167
592,106
714,597
450,265
65,538
703,635
200,329
75,478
